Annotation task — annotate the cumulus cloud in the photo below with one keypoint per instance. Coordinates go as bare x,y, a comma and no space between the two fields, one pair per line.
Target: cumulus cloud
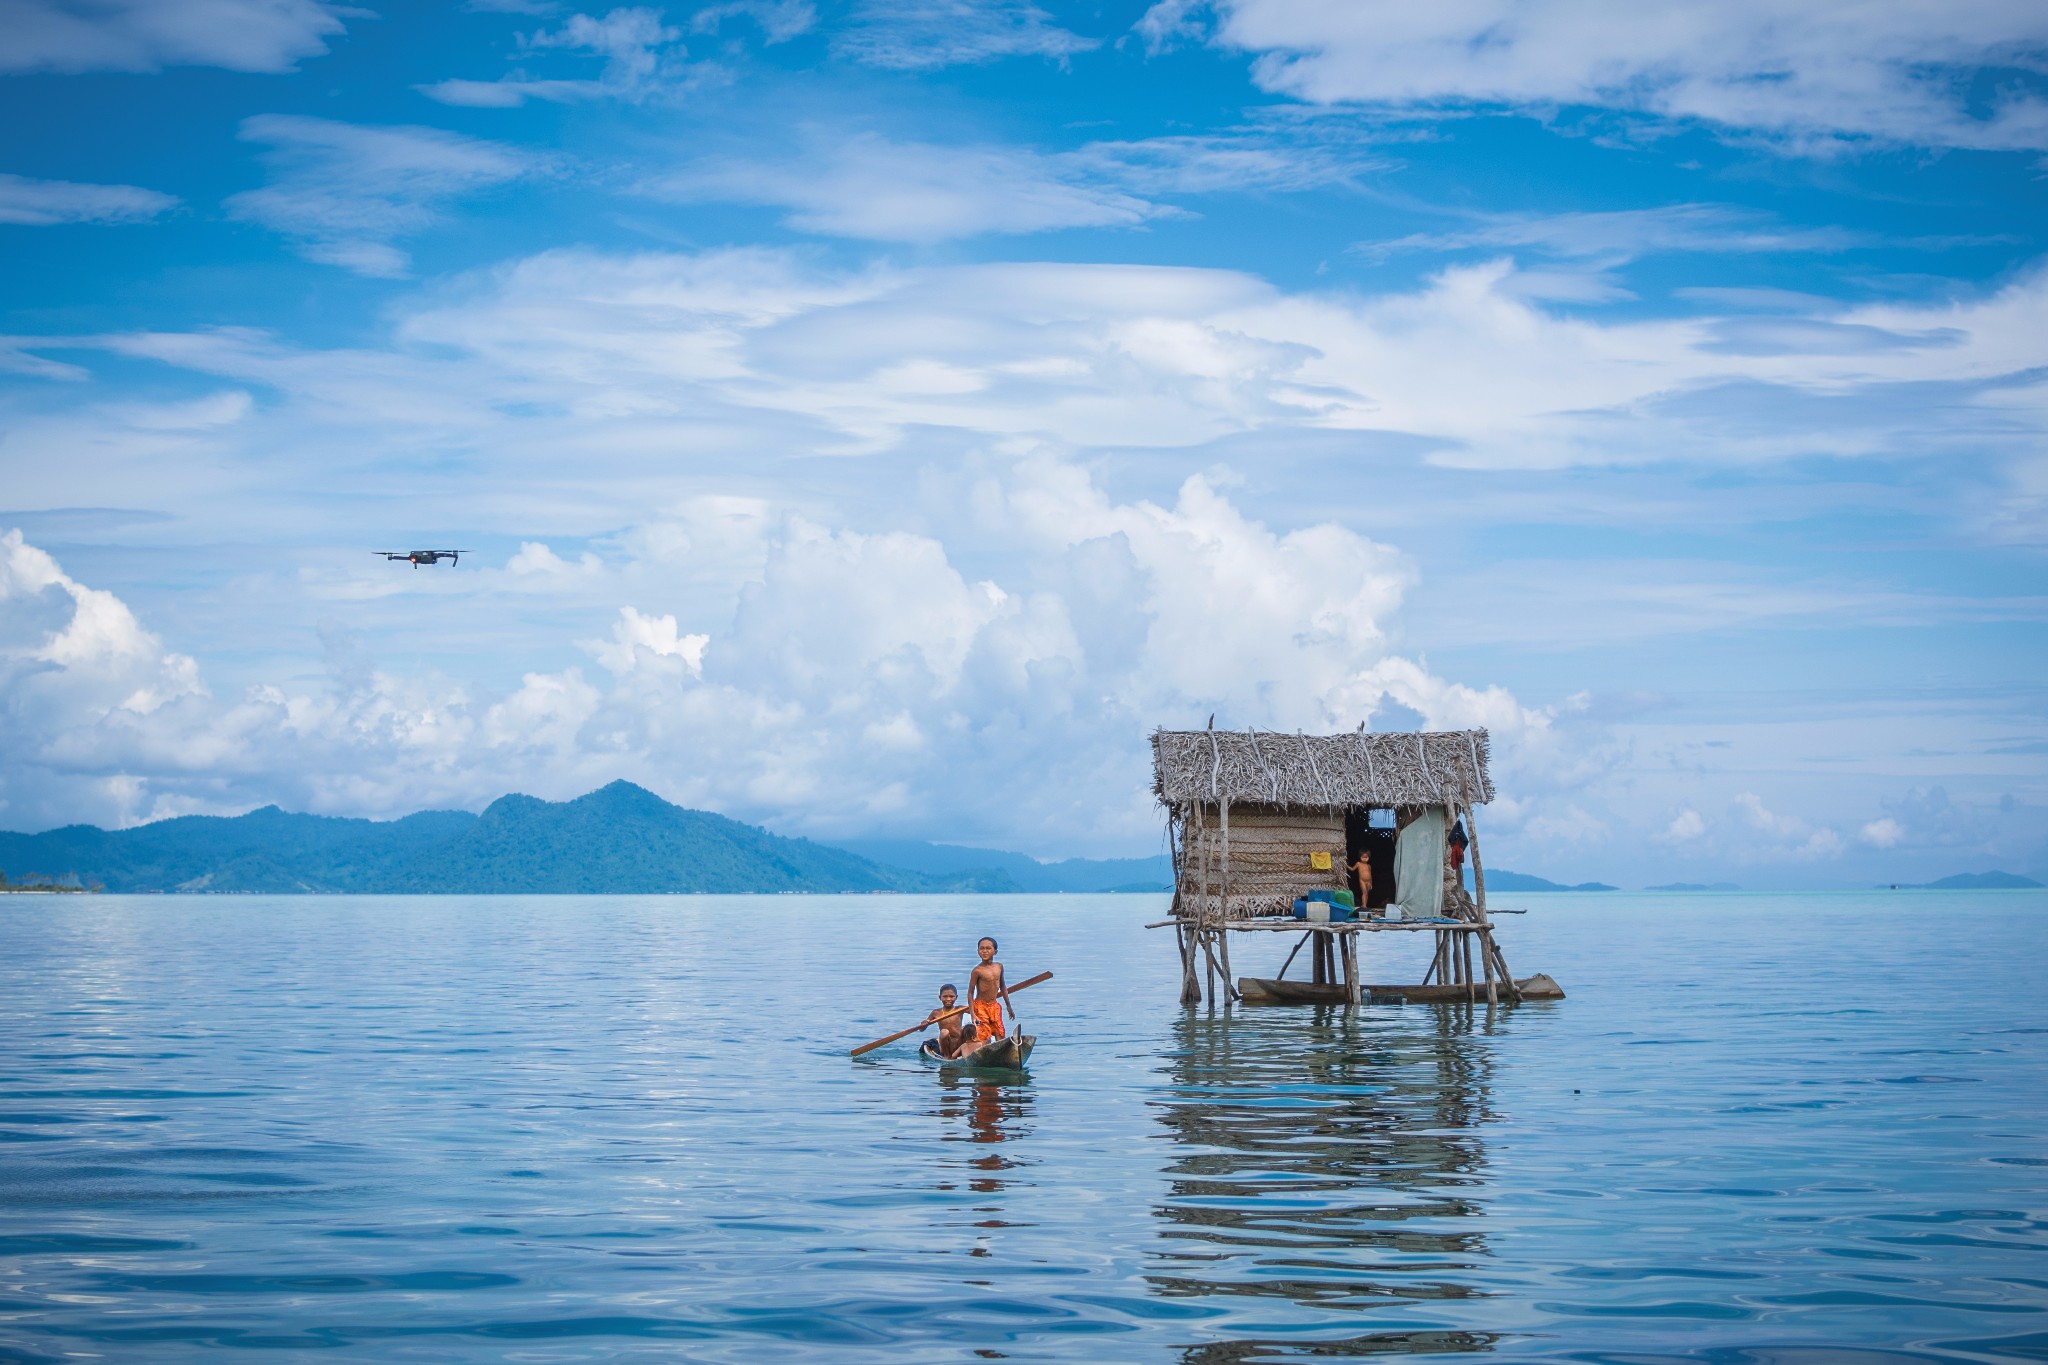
45,203
147,35
917,34
1883,833
642,57
345,192
1685,826
855,679
1782,835
1897,72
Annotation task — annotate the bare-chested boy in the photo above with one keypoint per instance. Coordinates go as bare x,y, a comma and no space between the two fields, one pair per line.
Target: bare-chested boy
985,998
950,1036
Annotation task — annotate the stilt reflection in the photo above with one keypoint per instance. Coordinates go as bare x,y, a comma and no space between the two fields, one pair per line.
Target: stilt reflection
1327,1163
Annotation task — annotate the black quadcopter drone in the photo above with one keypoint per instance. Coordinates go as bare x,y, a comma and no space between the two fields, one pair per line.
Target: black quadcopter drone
419,557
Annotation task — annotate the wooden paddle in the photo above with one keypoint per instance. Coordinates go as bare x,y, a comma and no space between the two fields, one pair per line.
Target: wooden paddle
927,1023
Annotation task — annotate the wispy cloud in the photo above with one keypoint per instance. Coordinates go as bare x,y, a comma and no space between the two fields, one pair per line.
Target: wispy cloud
147,35
778,20
45,203
1624,235
875,188
346,192
642,58
918,34
1813,76
883,189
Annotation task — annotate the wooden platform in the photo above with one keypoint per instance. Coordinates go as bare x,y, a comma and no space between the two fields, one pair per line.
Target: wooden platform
1259,990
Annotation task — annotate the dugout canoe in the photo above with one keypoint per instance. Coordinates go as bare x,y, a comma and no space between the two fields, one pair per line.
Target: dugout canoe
1004,1054
1259,990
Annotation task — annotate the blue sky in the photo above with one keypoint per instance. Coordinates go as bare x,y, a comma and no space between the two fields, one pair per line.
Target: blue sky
874,418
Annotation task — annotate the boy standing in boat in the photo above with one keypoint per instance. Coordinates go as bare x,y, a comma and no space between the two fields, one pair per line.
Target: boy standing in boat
985,998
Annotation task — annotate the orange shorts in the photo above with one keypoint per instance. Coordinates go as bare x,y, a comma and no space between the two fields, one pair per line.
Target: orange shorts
988,1018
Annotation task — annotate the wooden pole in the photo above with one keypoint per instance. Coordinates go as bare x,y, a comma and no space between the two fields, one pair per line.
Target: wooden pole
1350,946
1229,981
1479,895
1282,975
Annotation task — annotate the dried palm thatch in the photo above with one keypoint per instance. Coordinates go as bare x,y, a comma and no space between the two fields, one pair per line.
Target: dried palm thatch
1269,851
1205,767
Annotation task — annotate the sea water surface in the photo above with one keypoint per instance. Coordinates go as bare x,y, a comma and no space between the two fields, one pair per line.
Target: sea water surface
1761,1129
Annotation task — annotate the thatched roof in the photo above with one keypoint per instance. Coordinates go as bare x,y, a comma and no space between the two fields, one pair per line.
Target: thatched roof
1356,769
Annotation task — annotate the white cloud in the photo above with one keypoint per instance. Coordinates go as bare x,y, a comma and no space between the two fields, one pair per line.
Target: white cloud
916,34
1883,833
535,559
636,638
854,679
1895,71
1624,235
1685,826
1781,835
345,191
872,187
778,20
642,58
147,35
756,346
45,203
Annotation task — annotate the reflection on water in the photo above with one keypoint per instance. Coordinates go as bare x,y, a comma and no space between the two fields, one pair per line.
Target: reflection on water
985,1114
1329,1162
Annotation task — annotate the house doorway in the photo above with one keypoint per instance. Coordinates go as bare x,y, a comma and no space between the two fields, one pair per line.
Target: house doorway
1370,830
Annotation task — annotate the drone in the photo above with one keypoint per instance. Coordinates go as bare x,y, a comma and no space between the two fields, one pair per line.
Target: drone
419,557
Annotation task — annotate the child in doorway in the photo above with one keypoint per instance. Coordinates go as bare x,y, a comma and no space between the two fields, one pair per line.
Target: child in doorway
985,994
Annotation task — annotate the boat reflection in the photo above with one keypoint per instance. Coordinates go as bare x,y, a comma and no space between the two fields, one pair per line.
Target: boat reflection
985,1114
1326,1167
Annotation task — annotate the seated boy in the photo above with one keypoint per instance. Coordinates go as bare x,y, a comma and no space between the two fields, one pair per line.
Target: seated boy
950,1033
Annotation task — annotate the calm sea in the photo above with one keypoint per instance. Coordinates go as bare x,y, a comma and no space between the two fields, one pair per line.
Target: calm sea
1774,1130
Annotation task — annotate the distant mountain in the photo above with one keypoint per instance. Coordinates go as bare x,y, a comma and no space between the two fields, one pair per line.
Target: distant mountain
1695,886
1522,881
995,870
1975,881
265,850
619,839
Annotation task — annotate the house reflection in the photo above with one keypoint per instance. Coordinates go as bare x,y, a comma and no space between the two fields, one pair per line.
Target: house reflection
1327,1168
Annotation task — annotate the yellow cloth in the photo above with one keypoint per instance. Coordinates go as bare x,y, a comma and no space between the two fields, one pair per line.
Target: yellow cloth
988,1019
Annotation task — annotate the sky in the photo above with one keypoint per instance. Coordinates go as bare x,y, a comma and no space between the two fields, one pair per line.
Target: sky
875,418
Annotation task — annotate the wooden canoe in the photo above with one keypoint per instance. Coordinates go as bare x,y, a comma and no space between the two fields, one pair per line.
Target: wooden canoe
1259,990
1004,1054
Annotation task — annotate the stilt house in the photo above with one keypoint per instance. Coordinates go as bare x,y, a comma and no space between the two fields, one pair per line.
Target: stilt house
1259,819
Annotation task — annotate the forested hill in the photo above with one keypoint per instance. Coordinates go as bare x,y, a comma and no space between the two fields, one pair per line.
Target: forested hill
619,839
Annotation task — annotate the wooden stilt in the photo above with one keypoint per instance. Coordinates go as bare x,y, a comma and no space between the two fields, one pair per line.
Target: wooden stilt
1486,965
1223,947
1350,947
1465,965
1190,978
